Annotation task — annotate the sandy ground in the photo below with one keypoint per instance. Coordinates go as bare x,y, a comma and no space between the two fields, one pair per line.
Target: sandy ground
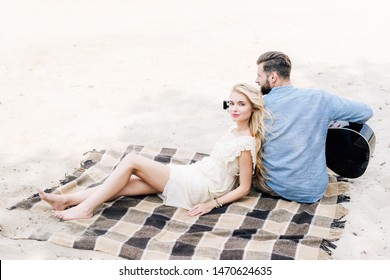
78,75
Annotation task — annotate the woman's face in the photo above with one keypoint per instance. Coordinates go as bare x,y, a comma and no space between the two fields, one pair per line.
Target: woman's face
240,108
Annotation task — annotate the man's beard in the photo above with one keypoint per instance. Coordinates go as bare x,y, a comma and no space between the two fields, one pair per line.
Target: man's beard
265,89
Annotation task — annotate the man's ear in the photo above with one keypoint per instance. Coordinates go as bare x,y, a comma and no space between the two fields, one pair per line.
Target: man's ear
273,78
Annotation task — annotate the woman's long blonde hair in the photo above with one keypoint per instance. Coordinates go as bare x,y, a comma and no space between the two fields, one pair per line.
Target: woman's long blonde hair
256,124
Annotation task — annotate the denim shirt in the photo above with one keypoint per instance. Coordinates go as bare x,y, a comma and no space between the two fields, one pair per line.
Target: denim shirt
294,150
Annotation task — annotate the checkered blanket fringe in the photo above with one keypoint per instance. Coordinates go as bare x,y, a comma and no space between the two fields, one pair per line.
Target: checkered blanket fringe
256,227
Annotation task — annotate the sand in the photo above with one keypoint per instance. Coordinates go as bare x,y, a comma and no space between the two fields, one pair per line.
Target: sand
79,75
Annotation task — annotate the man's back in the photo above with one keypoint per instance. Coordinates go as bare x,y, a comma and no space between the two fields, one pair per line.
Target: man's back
294,152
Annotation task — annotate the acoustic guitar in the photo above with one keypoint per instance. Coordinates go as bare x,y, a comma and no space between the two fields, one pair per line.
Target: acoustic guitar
349,147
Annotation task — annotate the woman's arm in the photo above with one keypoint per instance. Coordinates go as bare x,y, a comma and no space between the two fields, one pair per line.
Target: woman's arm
246,168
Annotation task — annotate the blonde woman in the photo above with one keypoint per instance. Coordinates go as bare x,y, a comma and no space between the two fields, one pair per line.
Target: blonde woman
221,178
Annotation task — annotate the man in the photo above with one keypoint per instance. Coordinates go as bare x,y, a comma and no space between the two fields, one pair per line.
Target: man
294,150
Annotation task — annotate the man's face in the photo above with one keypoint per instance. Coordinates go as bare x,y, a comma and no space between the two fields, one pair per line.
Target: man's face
262,80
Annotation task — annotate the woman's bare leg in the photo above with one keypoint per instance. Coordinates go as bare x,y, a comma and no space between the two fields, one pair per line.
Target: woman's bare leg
63,201
152,178
60,202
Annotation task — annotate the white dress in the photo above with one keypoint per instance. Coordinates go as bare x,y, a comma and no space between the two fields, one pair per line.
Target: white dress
211,177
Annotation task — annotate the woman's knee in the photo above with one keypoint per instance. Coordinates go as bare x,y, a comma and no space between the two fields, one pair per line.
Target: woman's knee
130,160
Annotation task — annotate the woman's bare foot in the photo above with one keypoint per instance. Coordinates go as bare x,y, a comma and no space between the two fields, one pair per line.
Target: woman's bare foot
74,213
56,201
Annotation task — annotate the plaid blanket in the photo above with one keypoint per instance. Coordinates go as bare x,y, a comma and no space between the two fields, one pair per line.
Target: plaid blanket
256,227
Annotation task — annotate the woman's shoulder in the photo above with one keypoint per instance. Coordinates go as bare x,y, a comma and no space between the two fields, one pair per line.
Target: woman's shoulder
239,144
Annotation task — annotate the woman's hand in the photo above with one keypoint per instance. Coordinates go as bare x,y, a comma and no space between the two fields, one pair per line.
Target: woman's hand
201,209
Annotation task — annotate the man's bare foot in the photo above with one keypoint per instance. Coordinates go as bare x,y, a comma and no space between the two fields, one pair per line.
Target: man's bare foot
56,201
74,213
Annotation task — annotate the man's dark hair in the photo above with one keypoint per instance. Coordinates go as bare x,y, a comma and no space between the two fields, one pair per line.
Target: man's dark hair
276,61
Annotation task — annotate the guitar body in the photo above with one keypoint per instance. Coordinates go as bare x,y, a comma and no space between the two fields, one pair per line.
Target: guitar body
349,147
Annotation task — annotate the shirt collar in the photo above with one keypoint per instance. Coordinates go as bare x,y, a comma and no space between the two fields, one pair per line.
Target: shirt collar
281,89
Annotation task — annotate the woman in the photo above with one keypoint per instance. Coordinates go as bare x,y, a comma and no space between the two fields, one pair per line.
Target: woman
200,187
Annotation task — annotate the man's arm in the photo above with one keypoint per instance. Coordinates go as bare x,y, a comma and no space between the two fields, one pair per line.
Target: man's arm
347,110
